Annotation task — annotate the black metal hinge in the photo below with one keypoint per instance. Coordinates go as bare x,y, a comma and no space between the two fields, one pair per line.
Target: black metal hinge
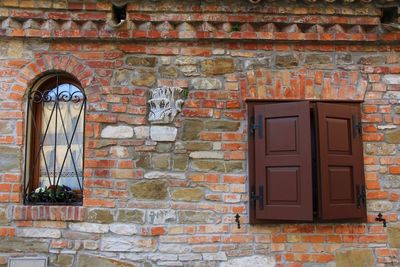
260,198
357,128
257,126
361,196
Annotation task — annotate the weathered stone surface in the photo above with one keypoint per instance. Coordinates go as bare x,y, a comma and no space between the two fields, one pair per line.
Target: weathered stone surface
161,161
372,60
89,227
218,66
32,232
318,59
219,125
9,158
163,147
3,217
6,127
342,59
122,77
257,63
218,256
354,257
123,229
253,261
379,205
393,95
198,146
391,181
144,161
174,248
192,129
207,155
188,194
380,149
205,84
180,162
117,132
185,61
161,216
128,244
142,77
168,72
189,70
141,61
142,132
17,244
190,216
286,61
152,189
396,109
163,133
393,137
119,152
63,260
130,216
208,165
234,167
100,216
86,260
394,236
164,175
80,235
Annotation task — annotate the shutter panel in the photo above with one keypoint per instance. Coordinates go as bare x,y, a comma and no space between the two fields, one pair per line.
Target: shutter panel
283,161
341,172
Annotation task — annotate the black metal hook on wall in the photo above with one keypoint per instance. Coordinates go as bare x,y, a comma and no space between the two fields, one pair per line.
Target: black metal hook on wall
380,218
237,220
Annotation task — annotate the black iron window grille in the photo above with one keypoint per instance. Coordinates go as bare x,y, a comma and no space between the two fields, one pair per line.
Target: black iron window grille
54,149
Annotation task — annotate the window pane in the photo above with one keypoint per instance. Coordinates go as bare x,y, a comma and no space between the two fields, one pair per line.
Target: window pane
62,125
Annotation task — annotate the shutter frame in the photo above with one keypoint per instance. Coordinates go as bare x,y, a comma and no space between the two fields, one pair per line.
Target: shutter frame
294,169
340,171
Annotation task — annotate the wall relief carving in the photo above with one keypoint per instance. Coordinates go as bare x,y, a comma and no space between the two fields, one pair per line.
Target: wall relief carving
165,103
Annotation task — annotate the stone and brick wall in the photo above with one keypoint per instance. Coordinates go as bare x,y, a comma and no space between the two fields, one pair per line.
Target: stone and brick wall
167,195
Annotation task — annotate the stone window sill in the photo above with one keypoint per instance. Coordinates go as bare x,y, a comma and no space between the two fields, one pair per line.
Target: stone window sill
48,213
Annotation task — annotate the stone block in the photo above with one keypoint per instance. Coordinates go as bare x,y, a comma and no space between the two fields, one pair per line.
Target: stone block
3,217
6,127
162,147
163,133
169,72
218,66
180,61
231,126
174,248
128,244
218,256
119,152
192,129
253,261
207,155
161,216
164,175
391,181
318,59
342,59
188,194
9,158
142,132
154,189
38,233
394,236
190,216
372,60
123,229
286,61
379,205
130,216
208,165
257,63
380,149
63,260
393,137
89,227
100,216
354,257
18,244
121,78
119,132
180,162
141,61
234,167
161,161
205,84
86,260
199,146
144,161
141,77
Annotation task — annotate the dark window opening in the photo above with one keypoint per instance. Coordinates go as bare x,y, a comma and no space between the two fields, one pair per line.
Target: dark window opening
119,13
389,15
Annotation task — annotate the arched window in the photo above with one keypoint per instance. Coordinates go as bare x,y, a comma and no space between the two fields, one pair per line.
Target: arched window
55,141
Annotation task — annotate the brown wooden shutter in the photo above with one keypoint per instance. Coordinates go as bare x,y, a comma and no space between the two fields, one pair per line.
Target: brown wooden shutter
341,173
283,176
